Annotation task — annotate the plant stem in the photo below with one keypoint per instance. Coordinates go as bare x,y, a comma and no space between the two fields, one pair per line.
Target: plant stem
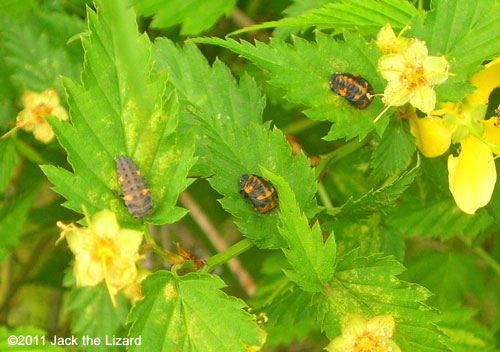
299,126
29,152
487,258
323,195
338,154
197,213
222,257
157,249
329,294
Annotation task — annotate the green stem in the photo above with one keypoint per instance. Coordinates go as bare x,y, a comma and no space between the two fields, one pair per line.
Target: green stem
157,249
473,131
278,291
299,126
323,195
328,293
231,252
489,259
28,152
338,154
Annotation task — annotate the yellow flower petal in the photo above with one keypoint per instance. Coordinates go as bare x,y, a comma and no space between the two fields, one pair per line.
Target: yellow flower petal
485,81
395,94
436,69
415,51
492,133
432,136
339,344
391,66
424,99
353,325
105,225
383,323
43,132
472,175
130,240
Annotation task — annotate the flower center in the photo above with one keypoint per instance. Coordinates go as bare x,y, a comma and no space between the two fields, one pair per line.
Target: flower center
413,76
370,341
40,111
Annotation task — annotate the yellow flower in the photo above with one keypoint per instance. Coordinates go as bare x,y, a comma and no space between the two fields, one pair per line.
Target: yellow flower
472,175
388,42
36,106
411,75
103,251
361,335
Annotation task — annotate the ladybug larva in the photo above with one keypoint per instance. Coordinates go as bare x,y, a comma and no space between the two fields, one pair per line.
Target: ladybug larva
353,87
260,191
135,193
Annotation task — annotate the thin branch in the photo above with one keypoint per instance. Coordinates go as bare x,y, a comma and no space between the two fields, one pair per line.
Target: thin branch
218,242
241,19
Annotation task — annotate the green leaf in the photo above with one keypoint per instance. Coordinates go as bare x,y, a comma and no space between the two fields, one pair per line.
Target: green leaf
449,275
95,316
466,32
211,89
190,313
34,57
195,16
465,334
435,218
375,200
311,259
395,150
304,68
370,236
8,162
25,331
291,316
13,215
16,8
119,109
235,151
297,7
366,16
369,286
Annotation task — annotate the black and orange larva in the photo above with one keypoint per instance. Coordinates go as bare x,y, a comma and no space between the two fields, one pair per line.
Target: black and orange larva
353,87
260,191
135,193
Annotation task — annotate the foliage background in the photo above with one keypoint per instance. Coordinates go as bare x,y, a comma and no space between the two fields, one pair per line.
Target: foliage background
385,211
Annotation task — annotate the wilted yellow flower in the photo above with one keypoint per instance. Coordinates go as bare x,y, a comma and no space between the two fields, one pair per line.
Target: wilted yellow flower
36,106
361,335
411,75
388,42
103,251
133,290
